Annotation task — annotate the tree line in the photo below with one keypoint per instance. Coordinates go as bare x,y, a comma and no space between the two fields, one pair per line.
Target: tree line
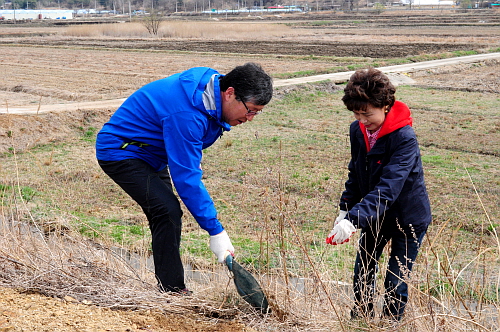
139,6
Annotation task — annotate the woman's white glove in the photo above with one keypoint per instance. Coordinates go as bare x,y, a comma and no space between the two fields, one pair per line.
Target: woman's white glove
342,215
220,244
341,232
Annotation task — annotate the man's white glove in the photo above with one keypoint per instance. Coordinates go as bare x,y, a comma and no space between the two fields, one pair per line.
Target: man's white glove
342,215
341,232
220,244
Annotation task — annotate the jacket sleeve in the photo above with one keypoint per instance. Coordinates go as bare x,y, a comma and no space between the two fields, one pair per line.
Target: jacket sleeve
394,174
183,142
351,194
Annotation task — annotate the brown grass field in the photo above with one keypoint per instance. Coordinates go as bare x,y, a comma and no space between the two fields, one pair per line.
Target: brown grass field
275,181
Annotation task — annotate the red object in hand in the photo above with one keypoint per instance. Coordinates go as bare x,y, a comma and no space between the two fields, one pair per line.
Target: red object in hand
341,232
329,240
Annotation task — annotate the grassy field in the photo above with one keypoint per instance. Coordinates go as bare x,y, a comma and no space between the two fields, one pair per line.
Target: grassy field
275,181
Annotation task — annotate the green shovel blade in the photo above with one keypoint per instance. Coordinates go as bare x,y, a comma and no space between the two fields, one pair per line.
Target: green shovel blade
246,285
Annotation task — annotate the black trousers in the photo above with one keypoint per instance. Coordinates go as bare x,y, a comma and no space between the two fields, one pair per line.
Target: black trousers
403,253
154,193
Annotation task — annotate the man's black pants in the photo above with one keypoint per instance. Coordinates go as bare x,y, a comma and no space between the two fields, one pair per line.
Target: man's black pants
153,192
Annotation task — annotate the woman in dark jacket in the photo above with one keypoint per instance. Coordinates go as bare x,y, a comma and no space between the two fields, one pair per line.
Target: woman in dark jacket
385,194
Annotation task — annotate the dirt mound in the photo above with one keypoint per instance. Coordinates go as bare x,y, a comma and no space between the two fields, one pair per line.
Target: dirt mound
21,132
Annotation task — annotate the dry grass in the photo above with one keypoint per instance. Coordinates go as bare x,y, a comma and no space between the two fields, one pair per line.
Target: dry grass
43,260
186,29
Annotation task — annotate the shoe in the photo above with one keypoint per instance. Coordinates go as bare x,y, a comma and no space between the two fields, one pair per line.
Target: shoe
176,291
180,292
185,292
387,323
365,313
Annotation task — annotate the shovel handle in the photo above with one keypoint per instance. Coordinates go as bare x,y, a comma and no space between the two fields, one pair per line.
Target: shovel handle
228,259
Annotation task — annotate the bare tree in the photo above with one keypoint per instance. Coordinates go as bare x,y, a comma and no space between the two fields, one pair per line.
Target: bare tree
379,8
152,22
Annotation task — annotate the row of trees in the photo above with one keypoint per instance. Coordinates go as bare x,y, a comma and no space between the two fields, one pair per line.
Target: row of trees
162,7
123,6
170,6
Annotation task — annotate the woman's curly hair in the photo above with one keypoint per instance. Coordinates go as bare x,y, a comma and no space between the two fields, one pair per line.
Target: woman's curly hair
368,87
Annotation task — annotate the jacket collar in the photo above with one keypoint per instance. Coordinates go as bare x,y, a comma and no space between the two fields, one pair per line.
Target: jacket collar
398,117
211,98
195,82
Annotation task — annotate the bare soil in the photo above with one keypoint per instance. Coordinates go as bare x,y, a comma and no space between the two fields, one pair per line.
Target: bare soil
480,77
62,70
56,126
280,47
20,311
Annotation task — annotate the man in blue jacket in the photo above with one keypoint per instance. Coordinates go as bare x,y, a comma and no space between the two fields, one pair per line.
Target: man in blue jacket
156,137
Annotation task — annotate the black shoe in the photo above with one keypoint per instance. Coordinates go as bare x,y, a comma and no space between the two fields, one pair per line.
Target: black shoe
184,292
175,291
388,323
358,313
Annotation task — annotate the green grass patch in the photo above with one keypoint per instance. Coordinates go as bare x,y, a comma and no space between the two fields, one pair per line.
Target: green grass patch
123,233
88,134
8,193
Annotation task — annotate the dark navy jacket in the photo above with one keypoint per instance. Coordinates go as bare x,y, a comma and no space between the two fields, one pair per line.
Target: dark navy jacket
386,183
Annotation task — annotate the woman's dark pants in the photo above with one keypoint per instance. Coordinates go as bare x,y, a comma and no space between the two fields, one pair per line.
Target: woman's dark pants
404,250
153,192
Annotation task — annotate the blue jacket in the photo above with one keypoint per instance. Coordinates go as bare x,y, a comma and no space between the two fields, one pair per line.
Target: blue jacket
169,116
387,182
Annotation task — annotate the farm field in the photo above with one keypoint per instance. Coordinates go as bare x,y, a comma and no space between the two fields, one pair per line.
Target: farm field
275,181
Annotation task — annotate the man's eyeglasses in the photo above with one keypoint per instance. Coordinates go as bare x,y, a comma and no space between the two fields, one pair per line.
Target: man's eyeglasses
250,112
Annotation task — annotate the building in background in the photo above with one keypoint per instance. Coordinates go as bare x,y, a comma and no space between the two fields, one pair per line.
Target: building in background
428,2
35,14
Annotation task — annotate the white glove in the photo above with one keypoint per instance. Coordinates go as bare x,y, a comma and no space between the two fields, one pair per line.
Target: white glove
220,244
341,232
341,216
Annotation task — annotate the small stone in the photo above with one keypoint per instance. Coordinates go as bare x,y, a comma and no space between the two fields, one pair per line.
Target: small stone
68,298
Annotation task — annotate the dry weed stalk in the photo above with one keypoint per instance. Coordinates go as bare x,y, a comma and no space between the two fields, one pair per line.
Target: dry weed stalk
451,293
54,260
447,293
67,266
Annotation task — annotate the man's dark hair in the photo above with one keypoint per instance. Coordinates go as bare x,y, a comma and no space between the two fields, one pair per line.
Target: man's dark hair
250,83
368,87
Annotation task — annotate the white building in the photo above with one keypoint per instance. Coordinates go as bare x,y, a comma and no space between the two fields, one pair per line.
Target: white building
435,3
35,14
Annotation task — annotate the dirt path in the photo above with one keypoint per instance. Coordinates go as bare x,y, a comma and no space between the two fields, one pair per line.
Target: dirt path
394,71
406,68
